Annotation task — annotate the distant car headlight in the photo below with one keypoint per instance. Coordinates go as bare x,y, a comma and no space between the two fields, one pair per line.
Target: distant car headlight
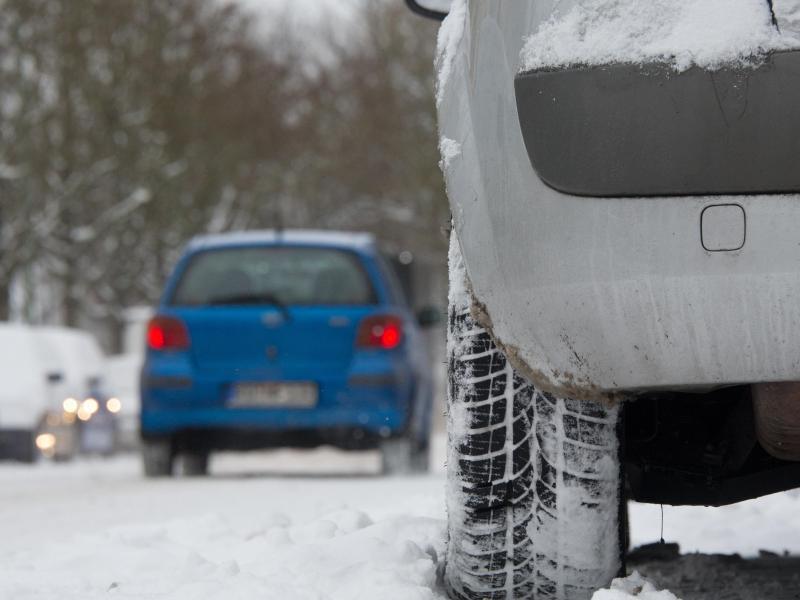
113,405
88,408
46,442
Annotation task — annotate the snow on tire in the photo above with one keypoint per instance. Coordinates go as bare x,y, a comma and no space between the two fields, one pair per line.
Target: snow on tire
533,480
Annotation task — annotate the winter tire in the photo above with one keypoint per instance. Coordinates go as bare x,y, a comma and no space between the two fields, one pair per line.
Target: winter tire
158,457
397,456
27,452
420,458
533,480
195,464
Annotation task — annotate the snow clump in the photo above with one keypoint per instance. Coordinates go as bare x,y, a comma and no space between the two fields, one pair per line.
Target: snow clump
449,150
682,33
787,13
634,586
450,34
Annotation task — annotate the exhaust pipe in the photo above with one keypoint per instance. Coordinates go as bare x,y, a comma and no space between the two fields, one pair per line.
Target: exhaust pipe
777,414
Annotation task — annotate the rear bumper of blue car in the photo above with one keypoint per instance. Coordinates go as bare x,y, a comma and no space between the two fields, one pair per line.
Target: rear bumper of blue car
249,429
352,410
382,421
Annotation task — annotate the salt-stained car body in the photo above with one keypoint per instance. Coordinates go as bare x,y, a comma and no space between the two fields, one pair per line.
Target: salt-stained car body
590,295
623,182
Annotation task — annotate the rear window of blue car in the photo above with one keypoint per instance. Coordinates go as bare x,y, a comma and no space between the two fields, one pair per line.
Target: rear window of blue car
274,275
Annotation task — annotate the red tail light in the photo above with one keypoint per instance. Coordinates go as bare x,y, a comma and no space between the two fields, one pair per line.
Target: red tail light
167,333
380,331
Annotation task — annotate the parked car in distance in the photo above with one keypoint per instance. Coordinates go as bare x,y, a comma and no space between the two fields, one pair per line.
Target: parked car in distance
50,377
83,408
283,339
24,396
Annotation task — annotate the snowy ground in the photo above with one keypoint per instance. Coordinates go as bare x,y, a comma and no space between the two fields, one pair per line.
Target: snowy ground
308,525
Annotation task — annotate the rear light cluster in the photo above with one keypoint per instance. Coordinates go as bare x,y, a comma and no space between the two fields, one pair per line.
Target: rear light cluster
380,331
167,333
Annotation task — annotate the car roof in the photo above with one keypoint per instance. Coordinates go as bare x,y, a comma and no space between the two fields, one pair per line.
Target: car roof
290,237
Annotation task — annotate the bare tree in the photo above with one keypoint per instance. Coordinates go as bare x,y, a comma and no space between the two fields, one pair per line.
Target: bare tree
143,120
375,135
127,127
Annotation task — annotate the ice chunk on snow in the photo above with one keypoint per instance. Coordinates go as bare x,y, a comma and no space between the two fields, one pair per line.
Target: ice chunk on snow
683,33
634,586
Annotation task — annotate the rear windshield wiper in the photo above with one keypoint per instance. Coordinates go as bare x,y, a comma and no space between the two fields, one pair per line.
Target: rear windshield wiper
235,299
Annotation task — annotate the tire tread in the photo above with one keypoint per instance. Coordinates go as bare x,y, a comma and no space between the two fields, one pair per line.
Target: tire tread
517,447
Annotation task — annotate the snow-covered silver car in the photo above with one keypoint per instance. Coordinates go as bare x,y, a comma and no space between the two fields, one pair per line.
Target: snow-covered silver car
625,274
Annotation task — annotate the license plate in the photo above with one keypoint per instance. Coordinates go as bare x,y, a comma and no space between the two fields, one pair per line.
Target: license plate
274,395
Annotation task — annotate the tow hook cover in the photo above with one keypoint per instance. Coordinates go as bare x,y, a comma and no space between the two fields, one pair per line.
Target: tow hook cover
723,227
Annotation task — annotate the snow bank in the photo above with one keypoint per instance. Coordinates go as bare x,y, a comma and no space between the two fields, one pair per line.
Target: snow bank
634,586
96,529
683,33
340,555
282,525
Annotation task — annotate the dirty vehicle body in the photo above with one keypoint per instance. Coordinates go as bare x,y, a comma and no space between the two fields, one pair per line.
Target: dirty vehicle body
625,275
283,339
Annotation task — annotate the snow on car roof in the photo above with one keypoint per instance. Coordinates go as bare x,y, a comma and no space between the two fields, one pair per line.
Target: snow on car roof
341,239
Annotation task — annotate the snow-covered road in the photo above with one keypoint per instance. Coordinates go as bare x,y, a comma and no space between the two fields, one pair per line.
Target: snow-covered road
282,525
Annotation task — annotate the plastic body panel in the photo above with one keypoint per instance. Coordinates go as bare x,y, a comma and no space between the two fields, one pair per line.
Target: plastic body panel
385,392
596,295
645,130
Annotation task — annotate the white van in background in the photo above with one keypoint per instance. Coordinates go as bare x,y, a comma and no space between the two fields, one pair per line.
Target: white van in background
82,390
29,374
50,392
78,357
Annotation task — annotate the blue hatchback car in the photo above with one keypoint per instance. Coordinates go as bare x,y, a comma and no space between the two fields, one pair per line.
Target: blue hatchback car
284,339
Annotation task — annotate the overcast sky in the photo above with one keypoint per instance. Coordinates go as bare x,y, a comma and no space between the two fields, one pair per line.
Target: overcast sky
307,11
302,16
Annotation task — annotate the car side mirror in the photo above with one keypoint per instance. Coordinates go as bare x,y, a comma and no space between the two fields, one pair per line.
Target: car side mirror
429,316
55,377
432,9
